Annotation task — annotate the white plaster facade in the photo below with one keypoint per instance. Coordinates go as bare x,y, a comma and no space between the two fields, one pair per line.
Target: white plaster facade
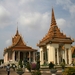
57,57
15,58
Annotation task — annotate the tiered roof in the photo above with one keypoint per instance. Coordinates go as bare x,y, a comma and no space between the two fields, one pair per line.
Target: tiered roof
54,35
18,44
73,49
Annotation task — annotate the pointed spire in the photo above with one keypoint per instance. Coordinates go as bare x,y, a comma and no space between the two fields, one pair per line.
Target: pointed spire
53,21
17,33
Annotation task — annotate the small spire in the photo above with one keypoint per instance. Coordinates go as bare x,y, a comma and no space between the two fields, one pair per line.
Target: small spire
53,21
17,33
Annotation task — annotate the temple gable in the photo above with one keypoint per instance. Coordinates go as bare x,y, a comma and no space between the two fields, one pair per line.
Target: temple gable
19,51
20,42
54,34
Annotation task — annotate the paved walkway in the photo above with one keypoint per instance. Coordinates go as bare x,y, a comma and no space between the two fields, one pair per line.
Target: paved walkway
44,72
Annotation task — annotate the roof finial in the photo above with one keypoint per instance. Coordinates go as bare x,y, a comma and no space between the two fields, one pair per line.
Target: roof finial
17,33
53,21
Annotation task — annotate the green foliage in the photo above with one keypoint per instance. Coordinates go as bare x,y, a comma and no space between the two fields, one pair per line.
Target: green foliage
51,65
19,69
28,66
64,61
45,65
1,61
13,66
37,72
38,65
34,66
20,63
62,65
69,71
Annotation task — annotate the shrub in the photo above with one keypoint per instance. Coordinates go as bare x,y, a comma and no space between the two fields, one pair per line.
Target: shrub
28,66
64,61
51,65
19,69
13,66
20,63
1,61
33,66
62,65
37,72
69,71
38,65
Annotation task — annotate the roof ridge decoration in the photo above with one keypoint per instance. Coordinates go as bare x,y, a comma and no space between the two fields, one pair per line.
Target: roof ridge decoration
53,21
54,31
17,38
17,32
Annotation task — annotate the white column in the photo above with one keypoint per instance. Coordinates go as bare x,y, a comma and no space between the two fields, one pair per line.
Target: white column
4,58
29,57
33,56
57,56
7,57
65,56
70,56
48,56
13,56
45,56
49,53
41,56
53,55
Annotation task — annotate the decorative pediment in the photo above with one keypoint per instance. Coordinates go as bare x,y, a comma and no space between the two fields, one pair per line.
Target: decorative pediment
20,42
17,39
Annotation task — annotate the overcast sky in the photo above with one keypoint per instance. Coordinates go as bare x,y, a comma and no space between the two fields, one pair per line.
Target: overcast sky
33,18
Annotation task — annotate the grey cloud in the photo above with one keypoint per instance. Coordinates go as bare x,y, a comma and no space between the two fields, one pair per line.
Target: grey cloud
24,1
4,17
61,22
68,5
34,20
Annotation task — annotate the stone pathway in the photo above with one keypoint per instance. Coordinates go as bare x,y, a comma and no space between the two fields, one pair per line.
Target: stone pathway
44,72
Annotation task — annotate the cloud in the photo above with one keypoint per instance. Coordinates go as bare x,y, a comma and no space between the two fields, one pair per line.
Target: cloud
63,2
72,10
34,20
67,5
4,17
8,42
61,22
24,1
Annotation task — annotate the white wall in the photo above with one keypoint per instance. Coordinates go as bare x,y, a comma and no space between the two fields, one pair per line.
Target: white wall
5,57
68,46
51,53
41,56
51,48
